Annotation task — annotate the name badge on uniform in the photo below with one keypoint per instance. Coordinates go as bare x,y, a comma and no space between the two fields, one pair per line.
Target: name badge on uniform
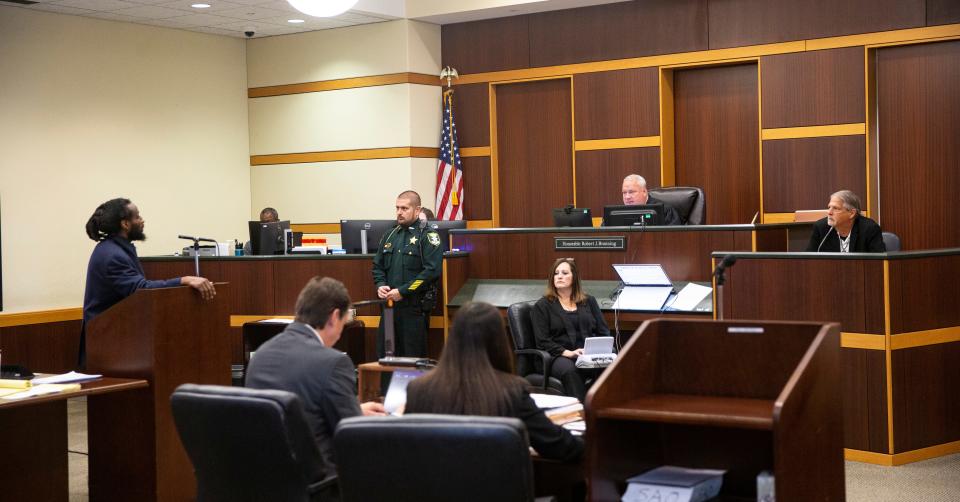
388,245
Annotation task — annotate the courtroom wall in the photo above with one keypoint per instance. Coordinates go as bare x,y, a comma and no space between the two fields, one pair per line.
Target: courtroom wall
652,93
343,120
95,109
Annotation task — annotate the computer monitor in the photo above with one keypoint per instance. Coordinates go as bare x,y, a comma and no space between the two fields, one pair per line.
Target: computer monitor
443,228
266,237
572,217
629,216
350,234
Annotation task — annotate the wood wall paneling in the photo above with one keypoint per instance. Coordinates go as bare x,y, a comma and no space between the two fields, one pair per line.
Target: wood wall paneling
943,12
600,174
534,151
48,347
471,110
617,31
802,173
919,155
489,45
617,104
812,88
477,193
926,409
735,23
716,123
865,417
919,294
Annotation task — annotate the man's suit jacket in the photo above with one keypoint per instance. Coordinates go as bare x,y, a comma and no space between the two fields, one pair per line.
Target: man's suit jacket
865,237
113,273
323,378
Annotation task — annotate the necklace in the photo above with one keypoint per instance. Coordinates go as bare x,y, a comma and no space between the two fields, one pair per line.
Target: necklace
568,305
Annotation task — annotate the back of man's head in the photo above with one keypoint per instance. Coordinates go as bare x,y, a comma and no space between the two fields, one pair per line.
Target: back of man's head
105,220
319,298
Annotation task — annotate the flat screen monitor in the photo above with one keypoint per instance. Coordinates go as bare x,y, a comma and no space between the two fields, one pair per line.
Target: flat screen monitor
266,237
629,216
572,217
443,228
350,234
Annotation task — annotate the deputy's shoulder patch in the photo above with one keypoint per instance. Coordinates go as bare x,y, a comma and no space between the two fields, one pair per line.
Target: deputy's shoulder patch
433,238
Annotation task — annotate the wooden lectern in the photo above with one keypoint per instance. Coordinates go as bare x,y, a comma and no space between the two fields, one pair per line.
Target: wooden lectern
742,396
168,337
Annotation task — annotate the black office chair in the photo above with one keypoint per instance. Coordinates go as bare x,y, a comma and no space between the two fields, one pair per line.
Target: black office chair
250,445
428,458
688,201
891,241
533,364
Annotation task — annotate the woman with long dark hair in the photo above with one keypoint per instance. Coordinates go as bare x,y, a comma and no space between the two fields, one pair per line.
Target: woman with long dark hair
562,320
475,377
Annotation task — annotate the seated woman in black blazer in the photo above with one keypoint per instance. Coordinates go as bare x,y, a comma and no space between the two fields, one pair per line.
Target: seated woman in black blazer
562,320
475,377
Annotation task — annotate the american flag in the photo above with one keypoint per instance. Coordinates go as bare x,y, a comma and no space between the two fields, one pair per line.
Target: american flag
450,168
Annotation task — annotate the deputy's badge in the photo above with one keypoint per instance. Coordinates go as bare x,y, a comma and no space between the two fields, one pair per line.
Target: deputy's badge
388,245
413,240
433,238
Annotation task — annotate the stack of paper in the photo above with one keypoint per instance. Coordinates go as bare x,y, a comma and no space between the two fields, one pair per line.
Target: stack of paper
39,390
674,483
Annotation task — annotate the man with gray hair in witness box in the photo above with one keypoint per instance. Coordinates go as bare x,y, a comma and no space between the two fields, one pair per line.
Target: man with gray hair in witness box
845,230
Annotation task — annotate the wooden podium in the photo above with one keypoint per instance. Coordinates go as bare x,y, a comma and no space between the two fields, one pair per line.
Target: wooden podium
168,337
743,396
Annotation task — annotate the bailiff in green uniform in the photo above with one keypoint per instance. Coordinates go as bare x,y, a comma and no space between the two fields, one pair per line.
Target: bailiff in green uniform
408,262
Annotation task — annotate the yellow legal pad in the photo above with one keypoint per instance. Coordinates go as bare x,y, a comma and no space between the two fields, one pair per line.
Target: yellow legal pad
28,390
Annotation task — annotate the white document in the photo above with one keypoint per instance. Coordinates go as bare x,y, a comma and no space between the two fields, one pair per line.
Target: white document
547,401
690,296
276,320
396,398
642,298
643,275
71,377
39,390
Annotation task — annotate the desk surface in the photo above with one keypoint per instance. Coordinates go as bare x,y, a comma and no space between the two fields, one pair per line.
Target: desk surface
98,386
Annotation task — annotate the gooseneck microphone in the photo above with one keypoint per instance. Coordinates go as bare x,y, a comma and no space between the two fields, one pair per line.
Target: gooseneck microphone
196,250
727,262
825,239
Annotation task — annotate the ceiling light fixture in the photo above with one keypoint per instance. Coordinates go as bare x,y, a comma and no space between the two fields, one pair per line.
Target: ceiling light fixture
322,8
295,21
200,5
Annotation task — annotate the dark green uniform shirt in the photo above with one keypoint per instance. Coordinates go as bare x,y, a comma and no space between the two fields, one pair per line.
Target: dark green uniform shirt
409,259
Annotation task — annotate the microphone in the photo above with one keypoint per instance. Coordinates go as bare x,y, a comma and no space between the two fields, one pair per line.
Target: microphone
196,239
824,239
727,262
568,208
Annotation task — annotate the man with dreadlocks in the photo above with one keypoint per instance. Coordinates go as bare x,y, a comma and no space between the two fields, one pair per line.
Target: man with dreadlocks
114,271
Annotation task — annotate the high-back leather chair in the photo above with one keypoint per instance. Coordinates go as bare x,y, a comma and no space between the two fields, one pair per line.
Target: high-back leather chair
532,363
891,241
250,445
427,458
688,201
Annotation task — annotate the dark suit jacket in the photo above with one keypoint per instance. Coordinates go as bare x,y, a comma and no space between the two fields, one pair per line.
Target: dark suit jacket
670,215
550,440
323,378
554,332
865,237
113,273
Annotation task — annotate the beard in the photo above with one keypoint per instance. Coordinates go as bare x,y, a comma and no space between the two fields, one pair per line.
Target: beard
136,234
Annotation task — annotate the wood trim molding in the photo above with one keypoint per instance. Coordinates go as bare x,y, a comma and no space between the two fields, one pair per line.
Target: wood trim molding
344,83
475,151
316,228
471,224
419,152
715,56
41,317
615,143
888,354
369,321
926,337
906,457
777,217
894,37
814,131
862,341
683,58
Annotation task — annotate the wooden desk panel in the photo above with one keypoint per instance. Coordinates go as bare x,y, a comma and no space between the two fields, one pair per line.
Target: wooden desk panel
923,293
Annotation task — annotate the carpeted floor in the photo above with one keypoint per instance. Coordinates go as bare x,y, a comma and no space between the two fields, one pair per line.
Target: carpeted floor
935,480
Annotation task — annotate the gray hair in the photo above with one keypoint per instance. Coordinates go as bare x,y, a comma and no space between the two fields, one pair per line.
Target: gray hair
849,199
636,178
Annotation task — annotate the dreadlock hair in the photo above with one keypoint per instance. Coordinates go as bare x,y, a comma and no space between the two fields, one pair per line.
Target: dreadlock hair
105,221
